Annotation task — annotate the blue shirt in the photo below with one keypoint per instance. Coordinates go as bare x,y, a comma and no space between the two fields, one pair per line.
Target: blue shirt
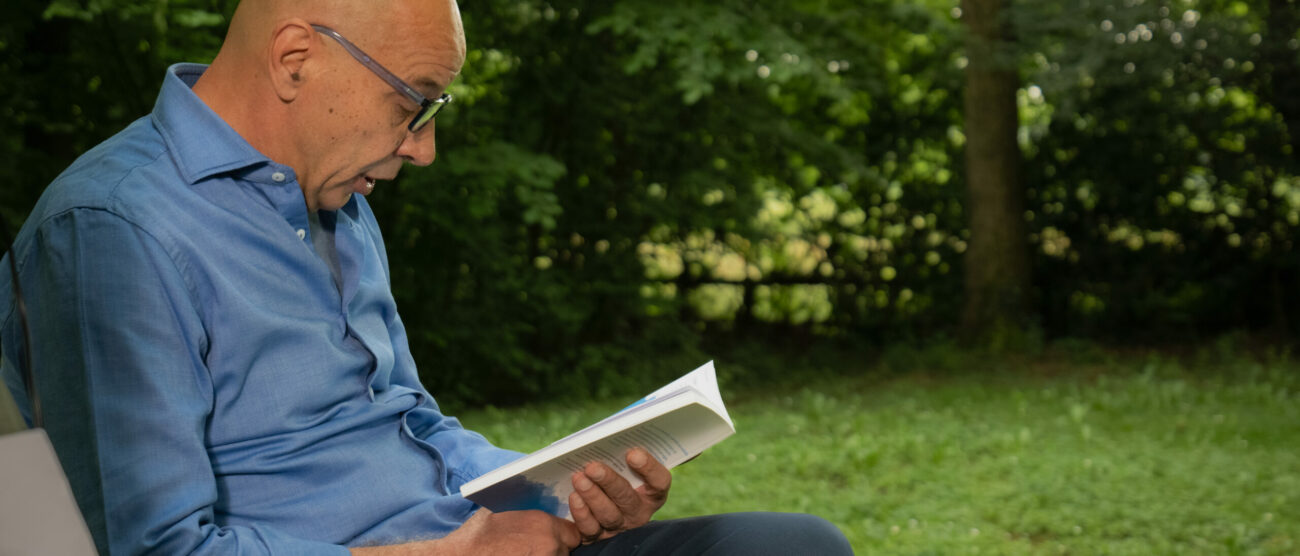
239,401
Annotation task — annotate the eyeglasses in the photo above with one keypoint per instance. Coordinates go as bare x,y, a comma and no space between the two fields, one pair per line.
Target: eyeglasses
428,107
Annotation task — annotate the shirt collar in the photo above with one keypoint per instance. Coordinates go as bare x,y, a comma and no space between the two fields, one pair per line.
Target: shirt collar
200,142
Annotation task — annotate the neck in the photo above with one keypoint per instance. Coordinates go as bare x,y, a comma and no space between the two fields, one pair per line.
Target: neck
248,105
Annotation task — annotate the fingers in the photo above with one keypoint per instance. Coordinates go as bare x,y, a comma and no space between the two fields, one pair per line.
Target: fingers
583,521
604,503
606,495
657,477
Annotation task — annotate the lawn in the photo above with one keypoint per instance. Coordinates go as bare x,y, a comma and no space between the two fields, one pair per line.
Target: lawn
1105,454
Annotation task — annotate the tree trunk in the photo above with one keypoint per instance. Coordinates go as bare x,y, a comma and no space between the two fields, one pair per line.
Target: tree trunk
1280,63
997,275
1280,60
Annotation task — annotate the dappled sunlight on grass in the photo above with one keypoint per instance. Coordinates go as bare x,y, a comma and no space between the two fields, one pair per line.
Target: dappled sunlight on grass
1136,456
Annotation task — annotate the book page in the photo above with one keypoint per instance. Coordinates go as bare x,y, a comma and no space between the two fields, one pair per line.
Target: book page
671,438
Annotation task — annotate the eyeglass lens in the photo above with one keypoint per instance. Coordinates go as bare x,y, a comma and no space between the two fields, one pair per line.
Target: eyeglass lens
425,115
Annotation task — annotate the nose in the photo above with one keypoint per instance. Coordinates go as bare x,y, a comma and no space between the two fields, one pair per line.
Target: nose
418,148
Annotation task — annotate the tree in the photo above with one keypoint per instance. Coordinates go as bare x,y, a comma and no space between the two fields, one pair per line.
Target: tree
623,182
997,278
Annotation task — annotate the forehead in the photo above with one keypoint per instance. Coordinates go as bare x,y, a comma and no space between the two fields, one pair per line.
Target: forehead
422,42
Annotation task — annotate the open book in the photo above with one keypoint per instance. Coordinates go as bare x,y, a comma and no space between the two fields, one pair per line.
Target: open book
674,424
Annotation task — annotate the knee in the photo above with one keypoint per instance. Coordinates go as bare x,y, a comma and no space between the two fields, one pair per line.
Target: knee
781,533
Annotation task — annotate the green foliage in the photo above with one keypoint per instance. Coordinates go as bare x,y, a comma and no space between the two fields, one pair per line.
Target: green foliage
620,180
76,72
1160,148
1047,455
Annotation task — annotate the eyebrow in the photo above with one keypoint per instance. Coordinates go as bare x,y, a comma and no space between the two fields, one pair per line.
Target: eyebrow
428,86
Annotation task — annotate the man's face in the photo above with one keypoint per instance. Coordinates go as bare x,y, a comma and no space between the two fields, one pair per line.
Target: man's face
356,133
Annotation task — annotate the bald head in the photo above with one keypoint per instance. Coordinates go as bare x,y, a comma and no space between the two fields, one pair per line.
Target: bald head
299,97
255,21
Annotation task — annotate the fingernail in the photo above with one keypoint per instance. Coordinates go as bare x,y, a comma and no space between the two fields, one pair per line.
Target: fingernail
636,458
582,483
597,474
577,503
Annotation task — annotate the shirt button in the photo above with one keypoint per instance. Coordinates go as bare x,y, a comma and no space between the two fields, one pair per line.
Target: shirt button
277,177
302,234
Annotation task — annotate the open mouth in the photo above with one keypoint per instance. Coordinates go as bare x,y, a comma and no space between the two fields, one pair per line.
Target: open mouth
363,184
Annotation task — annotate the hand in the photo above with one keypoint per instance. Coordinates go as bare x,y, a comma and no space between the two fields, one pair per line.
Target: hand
604,504
523,532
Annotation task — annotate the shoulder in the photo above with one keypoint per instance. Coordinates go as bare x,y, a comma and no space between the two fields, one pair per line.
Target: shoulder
123,172
126,193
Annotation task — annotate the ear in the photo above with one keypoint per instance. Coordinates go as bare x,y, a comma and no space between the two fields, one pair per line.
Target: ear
291,46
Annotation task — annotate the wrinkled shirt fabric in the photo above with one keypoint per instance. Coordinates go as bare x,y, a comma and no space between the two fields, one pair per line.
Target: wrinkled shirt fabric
239,400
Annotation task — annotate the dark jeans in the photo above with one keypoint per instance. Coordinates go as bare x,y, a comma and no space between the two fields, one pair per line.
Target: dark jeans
716,535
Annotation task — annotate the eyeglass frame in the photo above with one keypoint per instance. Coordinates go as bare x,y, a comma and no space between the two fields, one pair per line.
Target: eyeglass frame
428,106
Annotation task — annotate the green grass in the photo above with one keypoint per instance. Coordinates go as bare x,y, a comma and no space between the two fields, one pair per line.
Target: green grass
1117,454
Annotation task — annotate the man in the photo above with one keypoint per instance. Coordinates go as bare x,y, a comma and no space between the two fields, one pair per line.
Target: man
215,282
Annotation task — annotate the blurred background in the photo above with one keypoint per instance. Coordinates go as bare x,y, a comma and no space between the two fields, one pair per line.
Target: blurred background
1003,275
621,182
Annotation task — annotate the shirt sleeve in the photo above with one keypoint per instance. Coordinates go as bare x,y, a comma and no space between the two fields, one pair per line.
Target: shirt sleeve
108,302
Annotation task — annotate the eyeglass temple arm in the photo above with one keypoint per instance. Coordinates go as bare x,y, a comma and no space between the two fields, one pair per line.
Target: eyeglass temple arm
374,66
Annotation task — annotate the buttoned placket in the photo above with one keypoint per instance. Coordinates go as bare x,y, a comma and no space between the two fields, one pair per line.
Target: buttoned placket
348,246
279,177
